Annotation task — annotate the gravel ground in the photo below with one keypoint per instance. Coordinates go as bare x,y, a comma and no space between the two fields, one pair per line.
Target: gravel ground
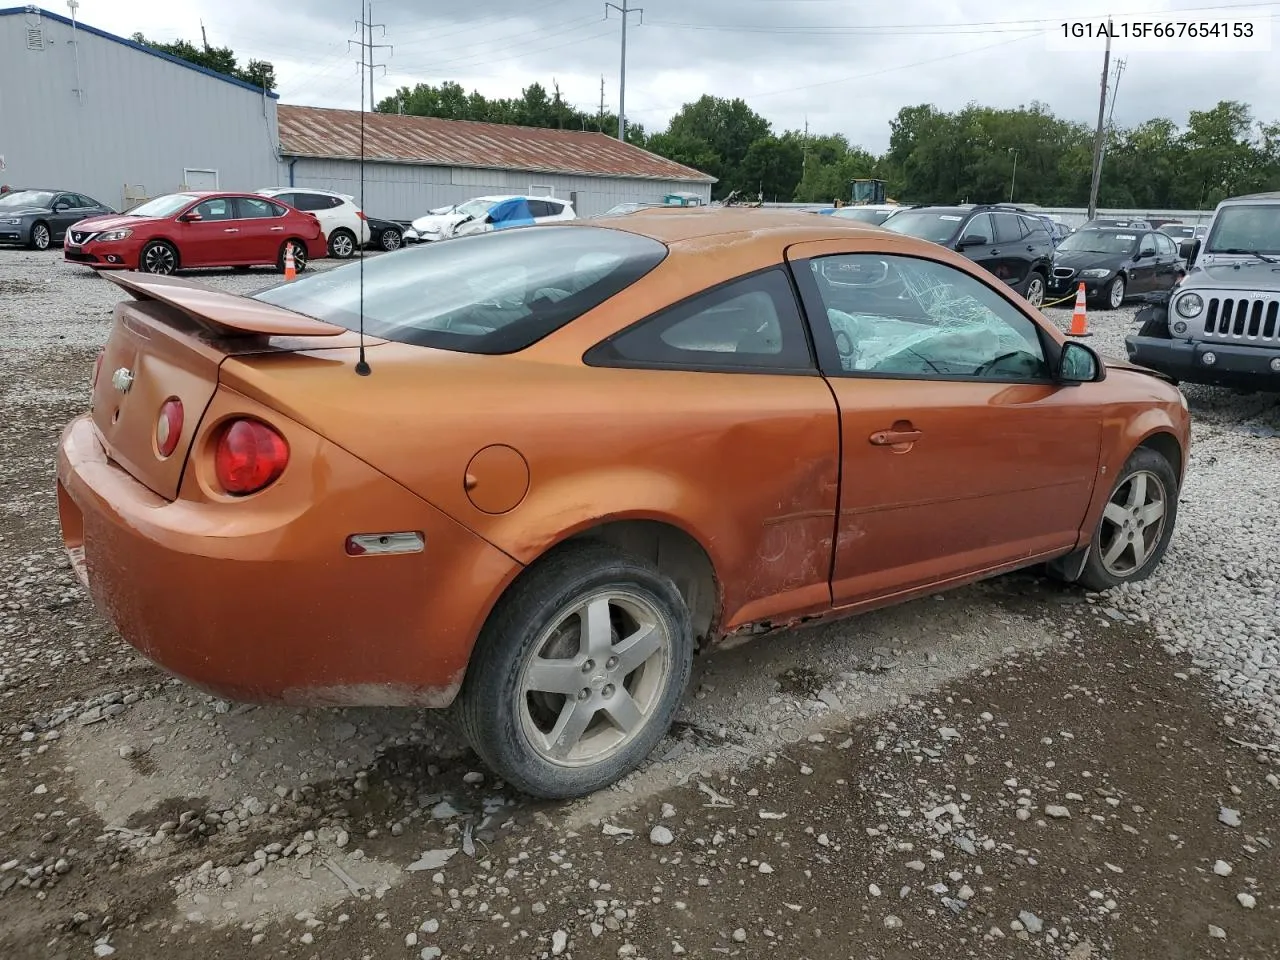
1069,767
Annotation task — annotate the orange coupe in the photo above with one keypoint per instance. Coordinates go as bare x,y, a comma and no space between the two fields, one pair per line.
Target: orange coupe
580,450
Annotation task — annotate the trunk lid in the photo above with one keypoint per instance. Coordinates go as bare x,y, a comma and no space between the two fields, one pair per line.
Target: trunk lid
169,342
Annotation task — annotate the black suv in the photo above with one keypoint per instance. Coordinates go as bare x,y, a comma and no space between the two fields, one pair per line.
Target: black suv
1009,242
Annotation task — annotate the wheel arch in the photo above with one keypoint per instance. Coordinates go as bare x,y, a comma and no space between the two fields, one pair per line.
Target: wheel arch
1163,442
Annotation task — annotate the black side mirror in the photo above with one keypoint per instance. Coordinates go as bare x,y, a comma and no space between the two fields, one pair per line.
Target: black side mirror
1079,364
972,240
1146,253
1189,250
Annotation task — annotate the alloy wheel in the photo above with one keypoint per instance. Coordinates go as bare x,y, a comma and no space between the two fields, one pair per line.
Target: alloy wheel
342,245
1035,290
40,236
158,258
595,678
1117,293
1133,523
391,240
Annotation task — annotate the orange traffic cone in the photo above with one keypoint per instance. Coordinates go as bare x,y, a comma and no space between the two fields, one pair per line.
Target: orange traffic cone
1079,321
291,268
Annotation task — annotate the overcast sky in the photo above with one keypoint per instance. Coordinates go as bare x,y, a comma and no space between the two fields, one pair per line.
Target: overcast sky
846,65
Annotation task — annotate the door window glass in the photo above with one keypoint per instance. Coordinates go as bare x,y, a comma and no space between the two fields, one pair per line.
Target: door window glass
216,208
256,208
977,232
907,317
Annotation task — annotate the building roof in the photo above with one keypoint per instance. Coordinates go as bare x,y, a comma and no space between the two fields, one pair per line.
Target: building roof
142,48
395,138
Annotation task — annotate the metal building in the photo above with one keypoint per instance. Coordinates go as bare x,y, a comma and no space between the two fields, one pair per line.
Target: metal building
414,164
87,111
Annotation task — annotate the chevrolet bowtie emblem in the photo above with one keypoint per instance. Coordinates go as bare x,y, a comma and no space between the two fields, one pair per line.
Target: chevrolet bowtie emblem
122,379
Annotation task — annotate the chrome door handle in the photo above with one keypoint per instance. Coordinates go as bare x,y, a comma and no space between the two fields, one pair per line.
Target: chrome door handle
277,228
231,230
889,438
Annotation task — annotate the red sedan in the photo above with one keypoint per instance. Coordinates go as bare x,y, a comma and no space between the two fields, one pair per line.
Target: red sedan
182,230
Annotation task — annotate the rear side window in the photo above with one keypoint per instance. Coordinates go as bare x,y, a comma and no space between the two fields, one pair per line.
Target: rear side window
490,293
748,324
1008,227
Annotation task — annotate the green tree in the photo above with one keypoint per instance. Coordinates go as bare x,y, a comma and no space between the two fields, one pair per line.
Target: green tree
222,60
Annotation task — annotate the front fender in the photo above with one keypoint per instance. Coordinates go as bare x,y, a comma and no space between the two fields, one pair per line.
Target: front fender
1121,435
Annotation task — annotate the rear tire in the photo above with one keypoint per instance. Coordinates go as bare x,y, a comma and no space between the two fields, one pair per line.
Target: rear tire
299,256
1035,289
391,240
553,664
342,244
1134,530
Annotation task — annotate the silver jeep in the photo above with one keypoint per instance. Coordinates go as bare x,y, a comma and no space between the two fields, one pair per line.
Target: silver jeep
1221,324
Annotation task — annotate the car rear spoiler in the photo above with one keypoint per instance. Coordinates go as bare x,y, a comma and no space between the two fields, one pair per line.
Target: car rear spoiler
225,314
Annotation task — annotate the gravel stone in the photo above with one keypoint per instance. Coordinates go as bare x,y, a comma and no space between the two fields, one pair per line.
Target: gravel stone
660,836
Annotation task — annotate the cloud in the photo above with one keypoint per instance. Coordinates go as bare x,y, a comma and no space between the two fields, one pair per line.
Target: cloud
844,66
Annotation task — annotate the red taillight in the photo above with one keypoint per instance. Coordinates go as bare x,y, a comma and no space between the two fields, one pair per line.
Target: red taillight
249,457
360,214
169,426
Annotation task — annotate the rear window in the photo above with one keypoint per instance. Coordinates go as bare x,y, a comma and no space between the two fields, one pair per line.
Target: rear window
489,293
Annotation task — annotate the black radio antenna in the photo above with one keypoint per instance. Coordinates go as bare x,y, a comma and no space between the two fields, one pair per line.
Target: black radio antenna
362,365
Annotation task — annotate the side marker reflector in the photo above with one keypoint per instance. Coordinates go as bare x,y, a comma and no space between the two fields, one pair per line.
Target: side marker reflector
368,544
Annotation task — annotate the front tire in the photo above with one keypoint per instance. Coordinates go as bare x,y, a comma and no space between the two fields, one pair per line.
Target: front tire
1136,524
578,672
40,236
391,240
1113,295
158,257
342,244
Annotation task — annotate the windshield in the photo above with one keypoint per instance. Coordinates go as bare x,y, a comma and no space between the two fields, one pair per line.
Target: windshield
25,198
1247,229
489,293
162,206
475,208
938,227
1115,242
866,216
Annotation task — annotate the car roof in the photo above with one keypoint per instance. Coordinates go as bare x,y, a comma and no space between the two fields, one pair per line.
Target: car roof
673,224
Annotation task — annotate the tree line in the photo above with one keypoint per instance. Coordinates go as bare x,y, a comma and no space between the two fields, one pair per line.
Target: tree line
976,154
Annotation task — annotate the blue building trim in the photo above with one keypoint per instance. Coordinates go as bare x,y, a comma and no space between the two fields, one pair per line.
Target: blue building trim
14,11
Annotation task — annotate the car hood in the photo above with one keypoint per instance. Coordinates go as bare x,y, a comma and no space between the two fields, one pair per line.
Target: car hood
112,221
1082,260
23,212
1117,363
1244,275
433,222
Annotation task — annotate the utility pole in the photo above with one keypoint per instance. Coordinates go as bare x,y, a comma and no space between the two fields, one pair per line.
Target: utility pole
622,81
1014,179
804,157
1111,111
1098,136
600,115
204,37
367,46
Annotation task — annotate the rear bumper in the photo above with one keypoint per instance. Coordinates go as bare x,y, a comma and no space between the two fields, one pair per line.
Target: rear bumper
256,600
1233,366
